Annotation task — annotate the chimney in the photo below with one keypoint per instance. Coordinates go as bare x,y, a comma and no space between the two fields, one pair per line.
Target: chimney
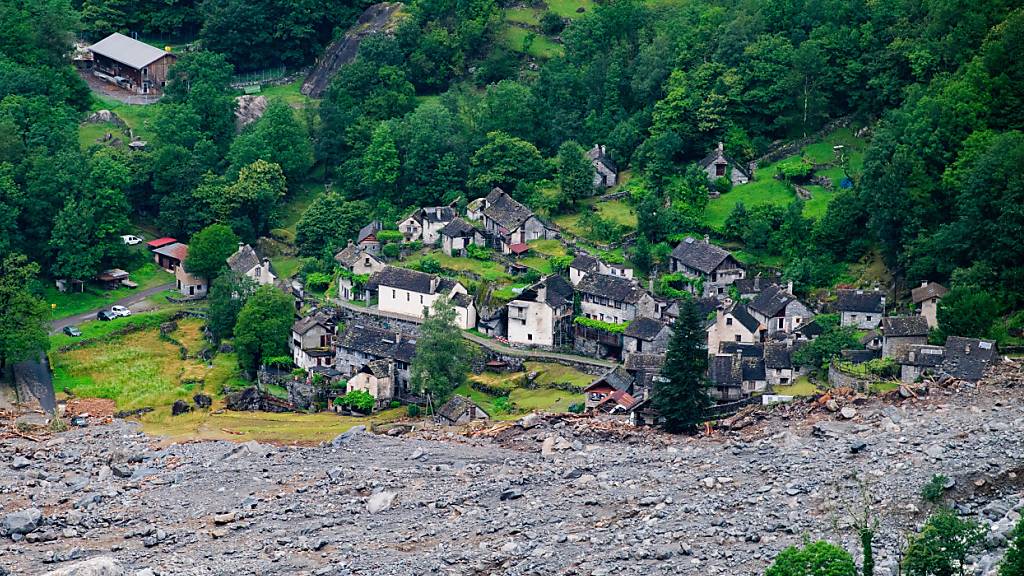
266,261
789,287
603,149
240,244
924,283
721,148
707,239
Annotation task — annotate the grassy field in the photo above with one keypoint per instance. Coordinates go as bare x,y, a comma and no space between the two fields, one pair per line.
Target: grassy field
525,400
136,370
287,428
527,16
541,47
801,387
618,211
489,270
290,93
138,117
568,8
287,266
72,303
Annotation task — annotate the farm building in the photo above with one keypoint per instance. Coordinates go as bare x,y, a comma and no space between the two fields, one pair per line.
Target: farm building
130,64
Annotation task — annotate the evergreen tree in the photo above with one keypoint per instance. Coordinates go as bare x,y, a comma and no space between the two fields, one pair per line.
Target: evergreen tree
683,396
442,358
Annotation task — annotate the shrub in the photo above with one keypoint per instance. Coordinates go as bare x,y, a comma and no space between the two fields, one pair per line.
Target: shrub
794,168
933,490
502,405
394,404
814,559
551,24
599,325
1013,561
358,400
317,281
943,545
478,252
430,265
412,410
576,407
391,250
386,236
278,361
722,185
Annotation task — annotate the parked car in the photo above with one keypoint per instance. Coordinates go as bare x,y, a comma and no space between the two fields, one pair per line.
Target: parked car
105,315
120,311
130,240
72,331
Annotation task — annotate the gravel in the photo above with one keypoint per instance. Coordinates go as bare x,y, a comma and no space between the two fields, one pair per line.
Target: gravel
561,502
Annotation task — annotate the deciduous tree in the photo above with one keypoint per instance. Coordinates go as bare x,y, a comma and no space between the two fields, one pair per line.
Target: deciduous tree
23,315
208,251
264,326
442,358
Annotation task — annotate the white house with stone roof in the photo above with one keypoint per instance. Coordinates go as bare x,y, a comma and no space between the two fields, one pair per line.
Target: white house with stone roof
509,223
246,262
410,293
426,223
540,315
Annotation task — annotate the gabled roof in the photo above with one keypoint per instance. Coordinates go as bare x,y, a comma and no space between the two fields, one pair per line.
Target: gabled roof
127,51
351,254
928,291
745,350
462,300
611,287
968,358
810,329
643,362
457,228
558,292
753,369
506,211
369,230
718,156
177,250
597,154
742,315
724,371
771,301
457,407
777,356
619,398
618,378
321,318
437,214
243,260
405,279
584,262
750,284
379,368
860,301
904,326
376,342
700,255
644,329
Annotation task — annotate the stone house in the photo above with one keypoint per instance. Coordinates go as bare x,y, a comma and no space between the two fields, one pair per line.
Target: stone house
583,264
926,299
734,377
509,224
458,411
968,358
717,165
920,360
426,223
733,324
616,379
861,308
358,345
168,253
605,170
808,331
410,293
247,263
541,315
367,237
312,341
612,299
646,336
778,364
778,310
188,284
643,367
717,268
171,257
899,332
457,235
377,378
355,260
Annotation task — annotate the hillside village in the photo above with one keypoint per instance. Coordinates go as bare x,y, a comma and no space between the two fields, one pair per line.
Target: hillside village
713,287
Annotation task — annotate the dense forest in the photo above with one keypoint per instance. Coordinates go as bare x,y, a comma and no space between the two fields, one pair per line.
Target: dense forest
441,111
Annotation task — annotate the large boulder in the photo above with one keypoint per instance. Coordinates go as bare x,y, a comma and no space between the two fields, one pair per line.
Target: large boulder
22,521
99,566
249,109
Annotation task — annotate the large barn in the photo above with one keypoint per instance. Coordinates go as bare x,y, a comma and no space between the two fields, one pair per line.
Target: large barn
130,64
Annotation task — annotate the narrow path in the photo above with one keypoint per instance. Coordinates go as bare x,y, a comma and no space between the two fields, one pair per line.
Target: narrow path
485,342
57,325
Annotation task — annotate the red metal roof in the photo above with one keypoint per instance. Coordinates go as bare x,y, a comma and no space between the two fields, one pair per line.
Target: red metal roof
177,251
160,242
518,248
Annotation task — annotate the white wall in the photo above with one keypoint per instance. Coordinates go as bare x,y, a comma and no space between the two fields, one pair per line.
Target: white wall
537,327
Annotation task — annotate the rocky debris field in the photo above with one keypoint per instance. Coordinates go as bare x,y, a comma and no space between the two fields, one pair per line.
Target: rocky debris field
546,496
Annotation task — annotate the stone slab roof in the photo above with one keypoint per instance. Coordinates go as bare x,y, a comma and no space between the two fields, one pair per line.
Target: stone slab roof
860,301
699,255
904,326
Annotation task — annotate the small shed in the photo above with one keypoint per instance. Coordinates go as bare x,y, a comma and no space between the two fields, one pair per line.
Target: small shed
111,279
460,410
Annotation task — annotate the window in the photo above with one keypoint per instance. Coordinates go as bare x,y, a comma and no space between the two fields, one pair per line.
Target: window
739,338
529,336
778,370
728,321
719,169
366,261
783,380
393,294
421,298
781,322
869,318
408,297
